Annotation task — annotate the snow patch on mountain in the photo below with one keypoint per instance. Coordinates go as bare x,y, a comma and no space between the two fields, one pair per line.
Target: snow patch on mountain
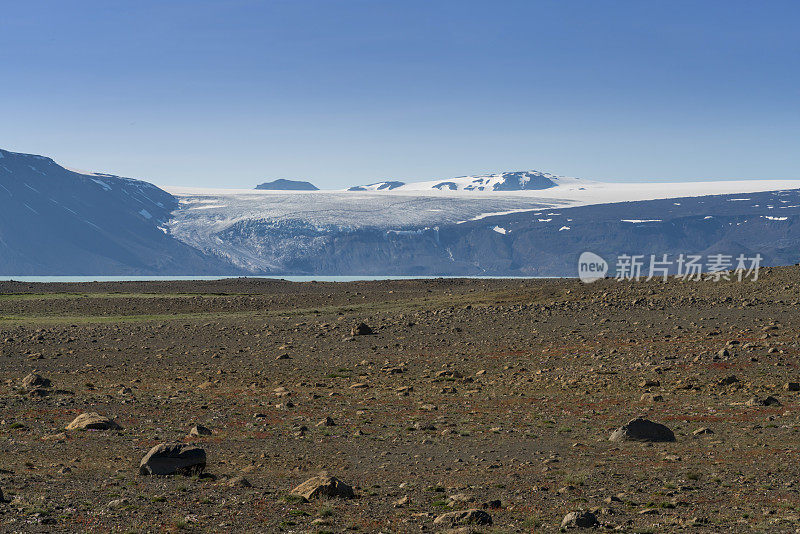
378,186
504,181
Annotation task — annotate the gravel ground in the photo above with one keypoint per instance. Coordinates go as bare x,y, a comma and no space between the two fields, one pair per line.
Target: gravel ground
490,395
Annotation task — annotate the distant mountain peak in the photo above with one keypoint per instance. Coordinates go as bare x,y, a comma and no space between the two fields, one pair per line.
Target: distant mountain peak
287,185
378,186
503,181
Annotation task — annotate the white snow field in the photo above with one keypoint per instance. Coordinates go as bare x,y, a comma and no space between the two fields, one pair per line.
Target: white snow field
418,205
205,214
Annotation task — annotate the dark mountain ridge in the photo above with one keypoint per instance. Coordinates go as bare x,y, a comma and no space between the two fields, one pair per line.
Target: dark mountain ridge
287,185
54,221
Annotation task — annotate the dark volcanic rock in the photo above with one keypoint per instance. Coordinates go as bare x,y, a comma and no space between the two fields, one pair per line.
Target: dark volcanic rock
173,459
640,429
361,329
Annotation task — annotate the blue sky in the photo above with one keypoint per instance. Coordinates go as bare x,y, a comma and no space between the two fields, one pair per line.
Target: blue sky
340,92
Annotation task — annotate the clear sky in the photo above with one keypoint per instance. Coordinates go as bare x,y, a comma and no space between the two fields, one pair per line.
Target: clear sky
339,92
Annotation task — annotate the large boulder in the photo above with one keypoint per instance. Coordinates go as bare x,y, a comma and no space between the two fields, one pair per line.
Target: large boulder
579,519
323,486
93,421
463,518
173,459
641,429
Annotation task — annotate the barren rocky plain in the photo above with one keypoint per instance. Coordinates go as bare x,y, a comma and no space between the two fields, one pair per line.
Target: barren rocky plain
474,405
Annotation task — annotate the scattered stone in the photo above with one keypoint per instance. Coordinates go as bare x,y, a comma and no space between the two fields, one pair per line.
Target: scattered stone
34,380
640,429
173,459
323,486
2,498
199,430
728,380
125,391
463,518
361,329
402,501
449,373
702,430
649,384
768,401
328,421
651,397
494,504
459,498
359,385
579,519
117,503
239,482
92,421
61,437
792,386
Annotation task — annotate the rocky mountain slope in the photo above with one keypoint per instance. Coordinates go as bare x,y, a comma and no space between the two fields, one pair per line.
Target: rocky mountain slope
61,222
